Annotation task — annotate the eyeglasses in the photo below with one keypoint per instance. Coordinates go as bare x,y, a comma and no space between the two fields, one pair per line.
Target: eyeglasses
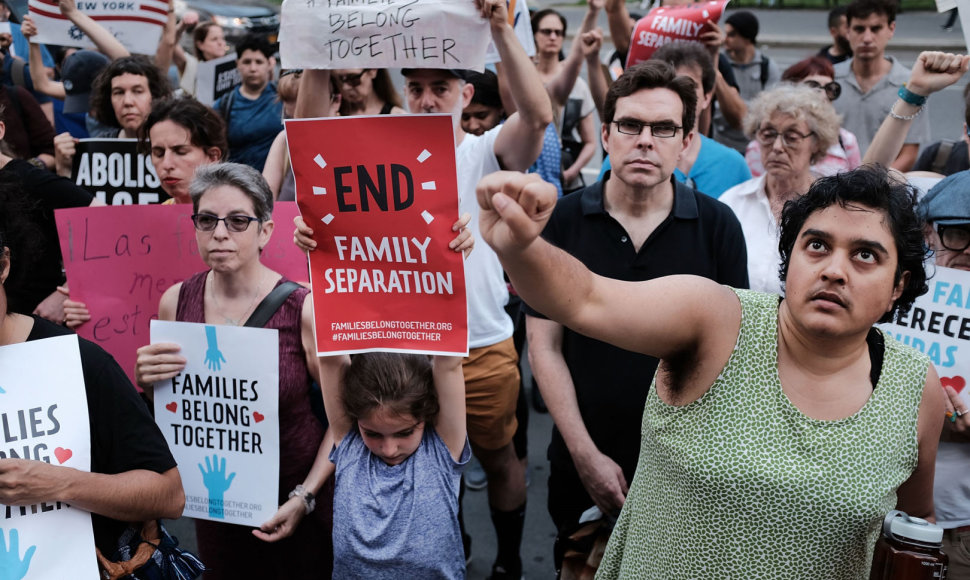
954,238
635,127
206,222
551,31
789,139
832,89
351,80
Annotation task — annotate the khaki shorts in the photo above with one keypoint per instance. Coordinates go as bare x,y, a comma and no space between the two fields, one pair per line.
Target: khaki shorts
491,391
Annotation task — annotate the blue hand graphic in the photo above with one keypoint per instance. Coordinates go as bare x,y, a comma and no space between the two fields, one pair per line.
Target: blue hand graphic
213,356
2,392
215,480
11,566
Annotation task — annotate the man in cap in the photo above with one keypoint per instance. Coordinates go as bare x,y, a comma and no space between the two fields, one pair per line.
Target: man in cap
946,209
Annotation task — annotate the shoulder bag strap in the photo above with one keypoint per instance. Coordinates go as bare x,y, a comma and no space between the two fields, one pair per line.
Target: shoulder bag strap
269,305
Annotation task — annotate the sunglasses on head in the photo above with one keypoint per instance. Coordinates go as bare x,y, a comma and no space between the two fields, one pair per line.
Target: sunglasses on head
832,89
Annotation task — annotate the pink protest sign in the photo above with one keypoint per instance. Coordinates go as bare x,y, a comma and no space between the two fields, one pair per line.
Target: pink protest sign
119,260
669,24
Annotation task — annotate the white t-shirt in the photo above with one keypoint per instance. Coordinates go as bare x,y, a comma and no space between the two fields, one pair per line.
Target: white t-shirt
750,204
488,323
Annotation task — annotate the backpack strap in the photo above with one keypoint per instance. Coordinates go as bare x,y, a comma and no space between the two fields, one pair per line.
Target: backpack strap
942,155
269,305
225,107
764,71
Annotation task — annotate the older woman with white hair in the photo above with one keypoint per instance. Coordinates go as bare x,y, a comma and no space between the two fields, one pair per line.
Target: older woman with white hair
795,125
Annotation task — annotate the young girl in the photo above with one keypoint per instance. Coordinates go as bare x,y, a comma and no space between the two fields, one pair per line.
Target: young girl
398,422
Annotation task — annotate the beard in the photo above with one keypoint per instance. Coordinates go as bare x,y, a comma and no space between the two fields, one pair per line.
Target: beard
842,43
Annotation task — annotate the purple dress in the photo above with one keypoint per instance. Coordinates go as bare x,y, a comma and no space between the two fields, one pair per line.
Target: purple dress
231,551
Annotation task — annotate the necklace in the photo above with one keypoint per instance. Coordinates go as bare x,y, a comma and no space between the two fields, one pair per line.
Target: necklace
242,317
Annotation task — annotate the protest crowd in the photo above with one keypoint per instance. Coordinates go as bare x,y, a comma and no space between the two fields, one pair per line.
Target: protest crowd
719,324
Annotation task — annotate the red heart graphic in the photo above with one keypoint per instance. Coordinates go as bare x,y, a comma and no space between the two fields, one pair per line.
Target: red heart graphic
257,416
956,382
172,406
62,454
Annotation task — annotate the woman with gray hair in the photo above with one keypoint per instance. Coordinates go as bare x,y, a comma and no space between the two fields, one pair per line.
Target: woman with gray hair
233,222
795,125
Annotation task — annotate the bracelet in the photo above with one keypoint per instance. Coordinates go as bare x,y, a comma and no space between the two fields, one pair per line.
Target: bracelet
911,97
895,115
309,500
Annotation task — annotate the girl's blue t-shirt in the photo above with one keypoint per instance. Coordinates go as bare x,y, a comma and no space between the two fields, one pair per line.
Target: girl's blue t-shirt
397,521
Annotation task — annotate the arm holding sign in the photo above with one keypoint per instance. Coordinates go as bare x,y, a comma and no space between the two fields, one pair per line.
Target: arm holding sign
99,35
40,74
728,97
520,140
161,360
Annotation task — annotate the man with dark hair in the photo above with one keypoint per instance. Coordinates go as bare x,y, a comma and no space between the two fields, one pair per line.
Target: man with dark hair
706,166
753,71
253,114
871,79
637,224
840,49
761,409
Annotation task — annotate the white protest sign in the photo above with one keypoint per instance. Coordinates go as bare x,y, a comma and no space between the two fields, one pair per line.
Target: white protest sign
136,24
215,78
44,417
220,416
939,325
522,25
331,34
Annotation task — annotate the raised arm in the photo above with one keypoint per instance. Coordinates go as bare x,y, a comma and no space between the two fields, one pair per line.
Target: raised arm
562,84
38,72
167,42
519,142
99,35
449,382
621,24
662,317
728,98
932,72
313,98
598,86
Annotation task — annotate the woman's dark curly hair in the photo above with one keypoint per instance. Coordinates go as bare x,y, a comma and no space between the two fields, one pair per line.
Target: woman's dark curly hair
872,187
136,65
21,234
403,383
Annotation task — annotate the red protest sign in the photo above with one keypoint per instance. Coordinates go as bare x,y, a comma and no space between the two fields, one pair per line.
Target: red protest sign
381,199
669,24
120,259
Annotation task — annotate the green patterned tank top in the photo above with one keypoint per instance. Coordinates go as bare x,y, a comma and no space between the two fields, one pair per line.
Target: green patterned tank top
741,484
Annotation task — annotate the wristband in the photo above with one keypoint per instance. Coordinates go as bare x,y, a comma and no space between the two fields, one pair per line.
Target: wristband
911,97
309,500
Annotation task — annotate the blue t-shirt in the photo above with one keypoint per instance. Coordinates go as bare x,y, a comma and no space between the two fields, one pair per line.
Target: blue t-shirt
253,125
716,169
397,522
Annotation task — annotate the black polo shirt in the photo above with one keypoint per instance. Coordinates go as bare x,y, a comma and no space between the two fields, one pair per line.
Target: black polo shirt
701,236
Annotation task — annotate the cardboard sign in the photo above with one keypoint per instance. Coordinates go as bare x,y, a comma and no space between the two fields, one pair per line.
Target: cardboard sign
522,25
44,417
119,261
116,173
137,25
382,276
326,34
939,326
669,24
220,416
215,78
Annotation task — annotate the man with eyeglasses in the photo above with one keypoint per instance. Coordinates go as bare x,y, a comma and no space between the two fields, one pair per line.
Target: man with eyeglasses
638,223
